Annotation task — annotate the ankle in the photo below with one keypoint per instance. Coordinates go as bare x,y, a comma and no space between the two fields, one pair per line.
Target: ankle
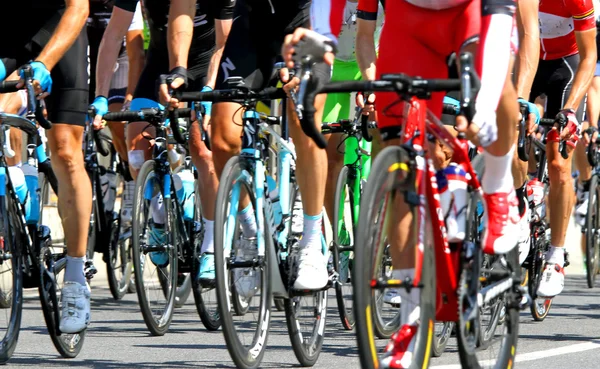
312,230
556,255
208,239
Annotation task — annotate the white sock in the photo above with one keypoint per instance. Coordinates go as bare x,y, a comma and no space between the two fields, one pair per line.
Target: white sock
311,234
410,309
247,221
498,175
74,270
556,255
208,242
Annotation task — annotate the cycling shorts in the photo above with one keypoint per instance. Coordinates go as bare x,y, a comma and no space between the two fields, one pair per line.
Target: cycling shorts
120,79
338,105
554,78
427,52
256,37
68,102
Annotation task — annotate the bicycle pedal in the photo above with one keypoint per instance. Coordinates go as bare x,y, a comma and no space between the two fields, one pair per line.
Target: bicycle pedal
526,299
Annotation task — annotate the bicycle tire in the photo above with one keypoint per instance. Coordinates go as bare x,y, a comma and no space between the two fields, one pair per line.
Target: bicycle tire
94,219
279,304
381,182
8,223
243,357
339,227
118,258
540,307
67,345
306,349
157,327
592,227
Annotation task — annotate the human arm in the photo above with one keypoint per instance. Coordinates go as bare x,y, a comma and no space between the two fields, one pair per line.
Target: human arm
134,42
222,28
529,46
586,43
69,27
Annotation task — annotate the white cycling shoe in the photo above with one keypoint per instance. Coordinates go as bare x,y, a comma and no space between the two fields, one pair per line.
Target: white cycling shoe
392,296
312,269
553,281
75,306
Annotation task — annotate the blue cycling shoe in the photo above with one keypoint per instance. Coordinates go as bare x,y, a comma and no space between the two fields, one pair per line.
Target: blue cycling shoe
157,237
206,272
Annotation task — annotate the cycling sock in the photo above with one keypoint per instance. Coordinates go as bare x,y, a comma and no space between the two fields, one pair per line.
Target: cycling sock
522,197
74,270
247,221
556,255
208,241
157,209
410,310
498,175
311,234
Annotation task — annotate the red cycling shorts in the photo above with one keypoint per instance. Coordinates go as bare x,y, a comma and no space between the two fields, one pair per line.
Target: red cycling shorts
418,42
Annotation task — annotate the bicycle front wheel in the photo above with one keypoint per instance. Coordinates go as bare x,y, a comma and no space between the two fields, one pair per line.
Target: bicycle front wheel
246,332
11,279
592,235
343,247
385,189
154,246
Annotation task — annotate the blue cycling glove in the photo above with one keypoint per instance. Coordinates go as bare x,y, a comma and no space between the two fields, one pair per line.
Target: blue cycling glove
42,75
531,109
100,105
207,105
2,71
452,101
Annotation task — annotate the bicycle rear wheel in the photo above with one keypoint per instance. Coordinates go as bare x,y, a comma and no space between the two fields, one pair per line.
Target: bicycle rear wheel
11,278
443,331
540,307
387,182
592,235
204,297
344,235
245,334
51,267
155,282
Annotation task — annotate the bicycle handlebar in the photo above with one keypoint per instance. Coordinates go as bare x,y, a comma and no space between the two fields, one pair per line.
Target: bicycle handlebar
150,115
8,87
239,94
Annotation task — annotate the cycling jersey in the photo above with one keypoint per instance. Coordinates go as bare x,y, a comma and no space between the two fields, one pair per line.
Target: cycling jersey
347,36
559,20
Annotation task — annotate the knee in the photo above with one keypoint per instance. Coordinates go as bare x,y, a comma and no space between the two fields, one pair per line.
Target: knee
223,142
67,159
559,172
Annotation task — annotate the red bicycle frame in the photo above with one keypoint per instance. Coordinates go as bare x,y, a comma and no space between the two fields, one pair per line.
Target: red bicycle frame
418,121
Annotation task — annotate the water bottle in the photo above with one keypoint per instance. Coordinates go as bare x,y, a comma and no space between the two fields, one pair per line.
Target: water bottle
535,195
184,187
452,185
108,183
17,178
274,198
31,179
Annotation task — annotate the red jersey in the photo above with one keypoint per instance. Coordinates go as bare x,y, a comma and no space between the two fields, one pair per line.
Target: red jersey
559,20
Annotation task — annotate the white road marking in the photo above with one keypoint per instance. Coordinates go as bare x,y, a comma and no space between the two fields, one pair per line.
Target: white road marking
536,355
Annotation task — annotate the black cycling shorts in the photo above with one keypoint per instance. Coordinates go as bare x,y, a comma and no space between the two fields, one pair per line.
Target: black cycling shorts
68,101
255,40
157,63
120,79
554,78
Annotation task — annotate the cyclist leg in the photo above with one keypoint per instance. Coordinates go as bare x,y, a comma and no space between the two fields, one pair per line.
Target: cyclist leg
67,109
581,162
560,199
337,107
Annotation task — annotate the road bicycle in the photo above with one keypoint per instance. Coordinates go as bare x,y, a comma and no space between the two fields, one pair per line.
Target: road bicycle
350,183
539,224
448,275
27,257
173,242
251,271
591,228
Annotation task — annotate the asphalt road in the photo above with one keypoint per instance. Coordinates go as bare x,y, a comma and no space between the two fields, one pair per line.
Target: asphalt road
118,337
